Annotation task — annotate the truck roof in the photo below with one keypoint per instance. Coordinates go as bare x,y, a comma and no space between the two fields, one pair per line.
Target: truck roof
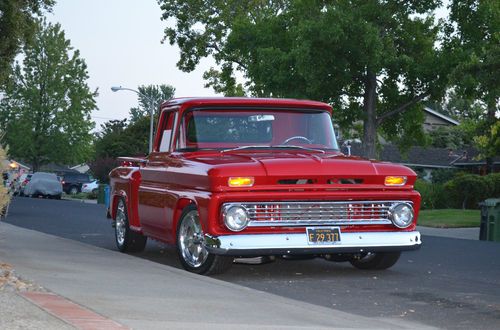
245,101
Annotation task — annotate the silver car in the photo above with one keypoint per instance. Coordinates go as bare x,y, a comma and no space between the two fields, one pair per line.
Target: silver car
45,185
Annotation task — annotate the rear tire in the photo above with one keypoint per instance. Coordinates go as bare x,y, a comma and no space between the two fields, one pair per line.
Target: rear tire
378,260
191,249
73,190
127,240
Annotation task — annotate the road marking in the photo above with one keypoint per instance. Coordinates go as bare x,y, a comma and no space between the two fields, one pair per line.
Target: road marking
71,313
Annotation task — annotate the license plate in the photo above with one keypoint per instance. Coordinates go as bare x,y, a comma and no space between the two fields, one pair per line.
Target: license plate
323,235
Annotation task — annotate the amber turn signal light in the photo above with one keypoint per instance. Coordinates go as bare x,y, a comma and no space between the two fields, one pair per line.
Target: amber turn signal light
395,180
240,182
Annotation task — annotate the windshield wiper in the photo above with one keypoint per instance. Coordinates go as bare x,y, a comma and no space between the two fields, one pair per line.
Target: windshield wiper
280,146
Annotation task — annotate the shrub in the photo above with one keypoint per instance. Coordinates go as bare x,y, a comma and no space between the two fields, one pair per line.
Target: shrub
464,191
494,180
92,195
433,195
101,167
467,190
443,175
4,191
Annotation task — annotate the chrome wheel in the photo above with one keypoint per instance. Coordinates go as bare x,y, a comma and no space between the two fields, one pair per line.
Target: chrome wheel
120,225
191,241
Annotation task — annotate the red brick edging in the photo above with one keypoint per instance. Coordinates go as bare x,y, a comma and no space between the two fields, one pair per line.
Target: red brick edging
71,313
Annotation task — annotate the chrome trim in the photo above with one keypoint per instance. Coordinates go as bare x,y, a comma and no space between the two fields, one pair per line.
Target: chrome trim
173,131
288,243
302,223
152,189
320,213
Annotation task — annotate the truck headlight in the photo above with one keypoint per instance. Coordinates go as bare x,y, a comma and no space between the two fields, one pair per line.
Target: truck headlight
401,215
235,217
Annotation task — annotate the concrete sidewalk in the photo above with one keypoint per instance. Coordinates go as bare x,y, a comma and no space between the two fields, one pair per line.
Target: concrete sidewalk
142,294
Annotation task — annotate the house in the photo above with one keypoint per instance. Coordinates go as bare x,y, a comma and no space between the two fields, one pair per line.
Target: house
426,160
81,168
434,120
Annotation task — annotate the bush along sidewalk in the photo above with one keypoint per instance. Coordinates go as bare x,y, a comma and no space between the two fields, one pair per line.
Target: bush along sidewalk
4,190
464,191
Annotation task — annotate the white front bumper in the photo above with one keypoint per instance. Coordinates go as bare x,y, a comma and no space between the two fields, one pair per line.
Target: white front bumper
297,243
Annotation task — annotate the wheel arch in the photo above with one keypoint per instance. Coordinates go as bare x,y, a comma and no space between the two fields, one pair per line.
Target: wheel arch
182,203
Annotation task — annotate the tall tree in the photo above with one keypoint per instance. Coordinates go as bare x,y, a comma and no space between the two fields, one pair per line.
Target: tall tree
150,94
473,35
17,25
117,138
46,109
372,60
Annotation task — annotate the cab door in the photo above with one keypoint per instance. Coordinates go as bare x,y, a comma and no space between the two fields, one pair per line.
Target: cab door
156,202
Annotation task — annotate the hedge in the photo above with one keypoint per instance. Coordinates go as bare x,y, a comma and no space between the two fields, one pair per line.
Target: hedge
464,191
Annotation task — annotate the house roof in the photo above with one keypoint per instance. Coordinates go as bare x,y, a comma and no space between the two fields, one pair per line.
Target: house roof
428,157
56,168
441,116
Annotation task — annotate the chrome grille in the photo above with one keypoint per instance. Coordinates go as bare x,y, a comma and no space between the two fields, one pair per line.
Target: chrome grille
318,213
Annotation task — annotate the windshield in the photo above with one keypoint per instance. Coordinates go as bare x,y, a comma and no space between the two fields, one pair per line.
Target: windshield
229,129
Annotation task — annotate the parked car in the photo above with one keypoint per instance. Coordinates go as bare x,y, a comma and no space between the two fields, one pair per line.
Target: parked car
43,184
72,181
90,187
23,181
242,177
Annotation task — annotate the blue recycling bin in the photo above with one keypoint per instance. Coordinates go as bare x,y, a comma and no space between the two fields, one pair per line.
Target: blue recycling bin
106,195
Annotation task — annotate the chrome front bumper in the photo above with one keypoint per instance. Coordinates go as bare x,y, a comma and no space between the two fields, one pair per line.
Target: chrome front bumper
279,244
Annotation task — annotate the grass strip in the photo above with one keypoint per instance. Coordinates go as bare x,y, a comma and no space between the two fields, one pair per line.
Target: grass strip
449,218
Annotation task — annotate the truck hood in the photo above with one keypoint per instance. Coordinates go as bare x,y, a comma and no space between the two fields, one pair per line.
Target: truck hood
276,167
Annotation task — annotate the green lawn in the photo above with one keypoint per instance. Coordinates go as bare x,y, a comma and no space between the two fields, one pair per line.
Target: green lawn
449,218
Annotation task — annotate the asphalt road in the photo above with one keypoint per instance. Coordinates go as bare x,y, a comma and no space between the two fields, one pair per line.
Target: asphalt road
448,283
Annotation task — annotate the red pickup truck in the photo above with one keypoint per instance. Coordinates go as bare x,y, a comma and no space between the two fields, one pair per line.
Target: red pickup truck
245,177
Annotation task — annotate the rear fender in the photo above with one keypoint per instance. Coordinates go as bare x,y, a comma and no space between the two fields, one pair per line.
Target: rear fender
125,185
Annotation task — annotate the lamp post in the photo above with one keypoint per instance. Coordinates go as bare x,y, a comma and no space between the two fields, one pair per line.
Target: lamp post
151,102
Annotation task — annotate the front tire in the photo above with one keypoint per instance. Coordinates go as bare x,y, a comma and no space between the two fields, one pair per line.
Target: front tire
378,260
127,240
191,249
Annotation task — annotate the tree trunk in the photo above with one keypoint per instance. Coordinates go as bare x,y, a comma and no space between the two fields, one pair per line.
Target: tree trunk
370,118
35,165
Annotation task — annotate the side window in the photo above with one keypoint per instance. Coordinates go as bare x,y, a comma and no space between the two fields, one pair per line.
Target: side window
166,131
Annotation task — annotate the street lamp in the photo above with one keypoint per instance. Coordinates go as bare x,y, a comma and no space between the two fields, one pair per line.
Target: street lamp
151,110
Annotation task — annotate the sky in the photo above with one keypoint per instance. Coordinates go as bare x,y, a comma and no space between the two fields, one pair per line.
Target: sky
120,41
